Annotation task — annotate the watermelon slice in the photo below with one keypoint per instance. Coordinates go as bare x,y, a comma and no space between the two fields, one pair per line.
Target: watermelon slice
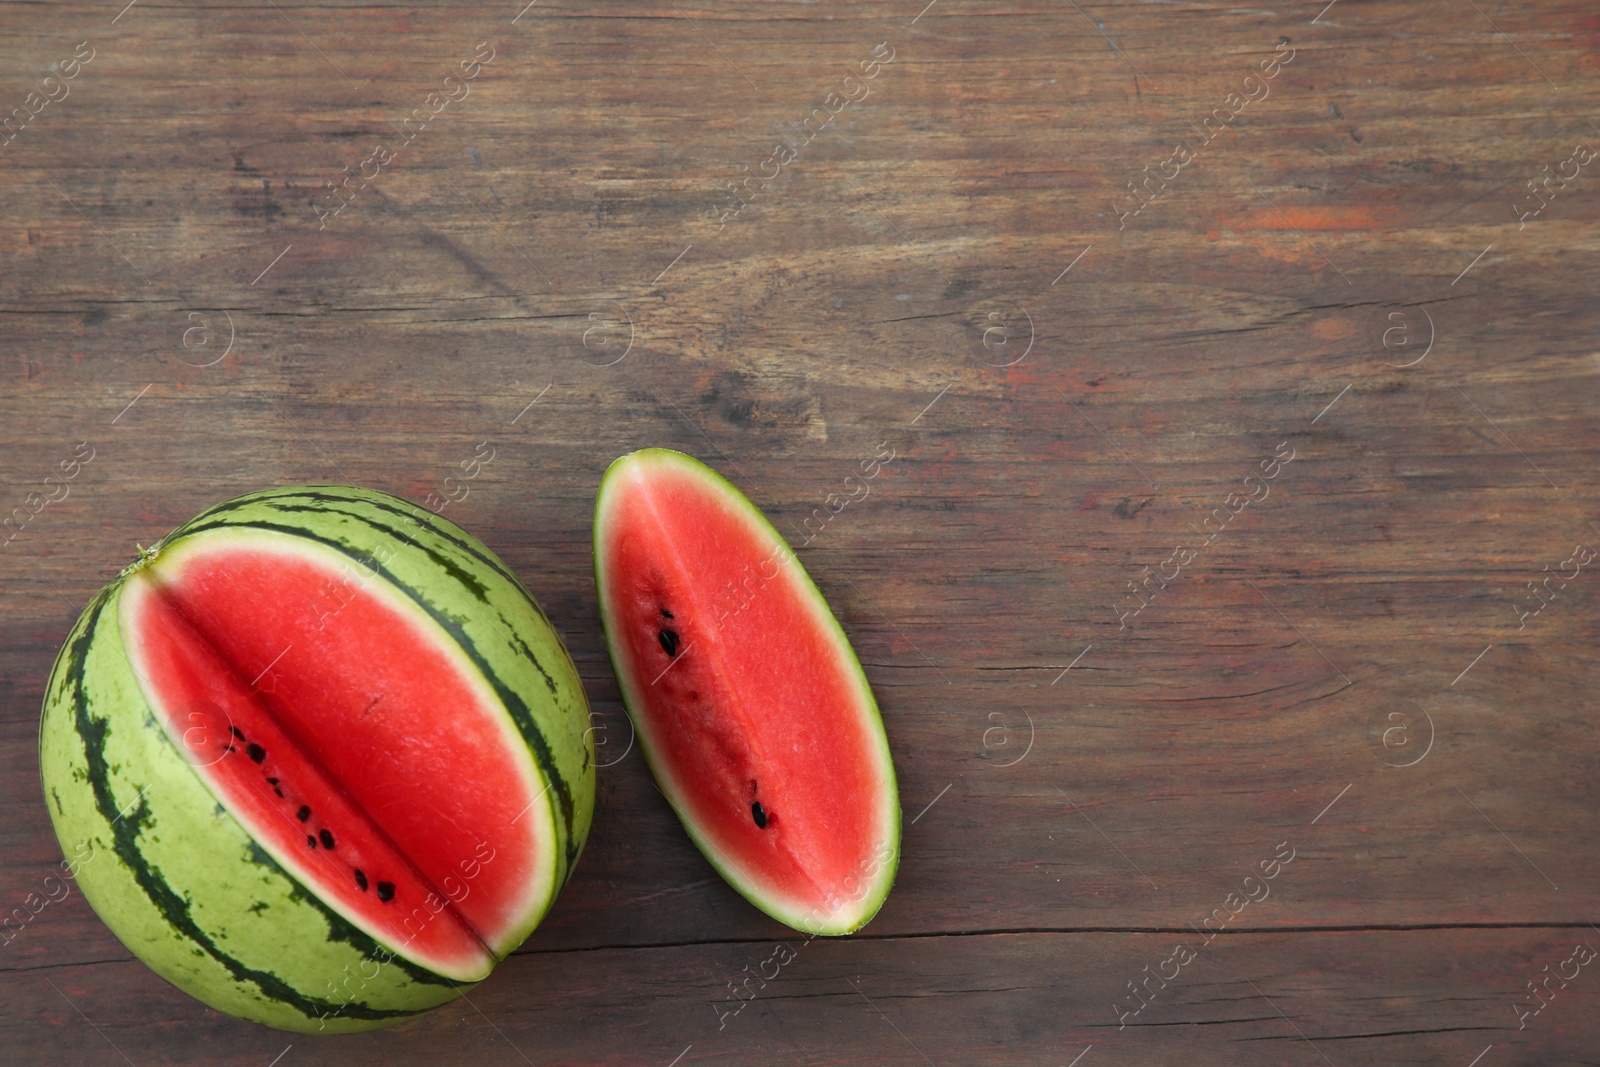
750,706
336,755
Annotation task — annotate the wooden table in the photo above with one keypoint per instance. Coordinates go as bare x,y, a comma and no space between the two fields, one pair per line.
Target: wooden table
1242,388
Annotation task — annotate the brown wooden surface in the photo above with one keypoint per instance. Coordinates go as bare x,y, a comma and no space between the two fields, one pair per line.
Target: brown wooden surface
1081,823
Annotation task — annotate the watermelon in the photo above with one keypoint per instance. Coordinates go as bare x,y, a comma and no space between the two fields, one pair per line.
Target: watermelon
328,759
749,704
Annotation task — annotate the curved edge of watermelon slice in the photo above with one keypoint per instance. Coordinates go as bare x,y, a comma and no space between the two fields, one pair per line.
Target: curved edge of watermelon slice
858,899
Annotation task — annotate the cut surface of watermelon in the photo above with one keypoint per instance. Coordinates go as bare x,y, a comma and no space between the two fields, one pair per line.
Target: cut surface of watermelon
751,707
346,731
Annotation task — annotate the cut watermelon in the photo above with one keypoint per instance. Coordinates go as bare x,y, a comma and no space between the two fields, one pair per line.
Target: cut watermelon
751,708
339,755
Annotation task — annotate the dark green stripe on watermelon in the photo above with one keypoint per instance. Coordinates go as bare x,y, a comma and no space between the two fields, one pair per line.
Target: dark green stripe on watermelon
434,524
125,828
444,563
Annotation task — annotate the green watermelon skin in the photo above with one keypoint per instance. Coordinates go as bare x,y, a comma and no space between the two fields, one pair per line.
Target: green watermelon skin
183,884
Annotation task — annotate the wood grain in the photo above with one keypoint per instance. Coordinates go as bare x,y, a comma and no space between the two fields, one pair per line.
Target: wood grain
941,268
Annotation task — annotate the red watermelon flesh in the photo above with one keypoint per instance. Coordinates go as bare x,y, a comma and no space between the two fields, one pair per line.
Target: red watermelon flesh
750,704
347,733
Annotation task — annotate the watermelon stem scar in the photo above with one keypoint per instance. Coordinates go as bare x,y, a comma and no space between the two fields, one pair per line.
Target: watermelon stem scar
772,693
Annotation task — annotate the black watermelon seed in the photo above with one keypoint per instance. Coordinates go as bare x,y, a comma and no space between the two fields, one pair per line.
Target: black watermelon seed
311,841
278,791
760,814
361,878
386,891
256,752
236,732
666,614
326,837
669,641
303,814
272,781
